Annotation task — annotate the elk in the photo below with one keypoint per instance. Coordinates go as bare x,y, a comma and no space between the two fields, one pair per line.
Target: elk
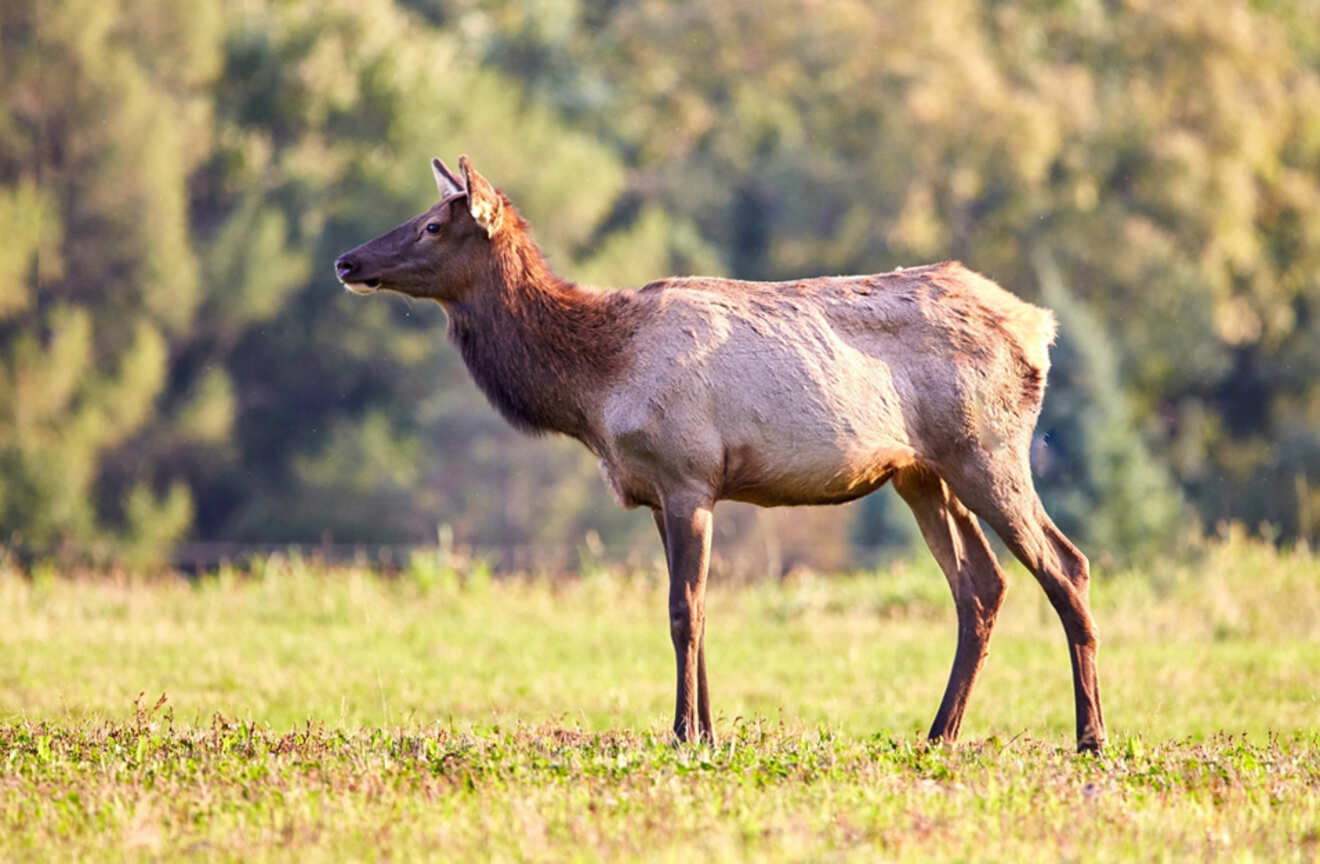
815,391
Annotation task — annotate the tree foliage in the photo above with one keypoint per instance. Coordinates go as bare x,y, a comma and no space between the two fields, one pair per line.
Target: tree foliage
176,359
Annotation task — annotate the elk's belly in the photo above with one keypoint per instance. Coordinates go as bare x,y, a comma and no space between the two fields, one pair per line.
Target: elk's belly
761,459
758,474
770,418
774,477
810,434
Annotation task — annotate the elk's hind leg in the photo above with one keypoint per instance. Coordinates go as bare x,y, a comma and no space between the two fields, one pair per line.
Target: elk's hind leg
974,577
1004,496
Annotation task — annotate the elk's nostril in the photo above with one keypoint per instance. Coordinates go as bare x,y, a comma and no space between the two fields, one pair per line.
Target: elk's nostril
345,265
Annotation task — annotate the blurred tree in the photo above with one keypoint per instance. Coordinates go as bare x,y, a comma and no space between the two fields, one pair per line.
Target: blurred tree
1095,474
174,181
355,417
103,116
1167,154
171,322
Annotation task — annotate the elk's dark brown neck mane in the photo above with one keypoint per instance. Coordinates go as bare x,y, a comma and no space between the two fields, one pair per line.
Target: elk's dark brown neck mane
542,349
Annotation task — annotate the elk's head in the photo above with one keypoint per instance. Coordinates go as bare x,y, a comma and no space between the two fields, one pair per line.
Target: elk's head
436,254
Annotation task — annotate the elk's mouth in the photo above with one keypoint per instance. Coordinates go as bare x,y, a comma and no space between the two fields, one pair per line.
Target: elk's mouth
364,286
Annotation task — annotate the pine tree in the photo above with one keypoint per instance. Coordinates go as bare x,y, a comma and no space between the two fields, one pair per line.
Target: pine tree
1095,474
103,121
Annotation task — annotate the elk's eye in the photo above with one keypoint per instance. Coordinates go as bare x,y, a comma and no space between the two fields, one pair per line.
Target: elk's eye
432,227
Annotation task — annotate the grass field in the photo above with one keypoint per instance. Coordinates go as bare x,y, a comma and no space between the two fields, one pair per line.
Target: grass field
312,714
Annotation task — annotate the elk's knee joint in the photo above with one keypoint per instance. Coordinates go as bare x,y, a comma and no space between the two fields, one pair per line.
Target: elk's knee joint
681,624
685,620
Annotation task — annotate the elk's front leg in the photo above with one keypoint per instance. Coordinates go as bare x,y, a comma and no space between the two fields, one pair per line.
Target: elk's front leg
685,529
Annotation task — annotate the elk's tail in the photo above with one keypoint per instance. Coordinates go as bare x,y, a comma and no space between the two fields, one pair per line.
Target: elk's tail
1033,329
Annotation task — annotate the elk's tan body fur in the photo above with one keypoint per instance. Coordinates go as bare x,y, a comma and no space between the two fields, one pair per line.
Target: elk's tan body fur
818,391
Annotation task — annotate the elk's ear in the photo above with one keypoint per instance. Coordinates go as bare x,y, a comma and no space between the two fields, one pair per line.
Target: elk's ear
449,185
483,201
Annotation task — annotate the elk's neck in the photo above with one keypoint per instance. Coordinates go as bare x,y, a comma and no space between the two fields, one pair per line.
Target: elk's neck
543,350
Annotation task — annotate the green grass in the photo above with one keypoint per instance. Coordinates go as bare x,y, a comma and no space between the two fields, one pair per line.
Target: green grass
339,714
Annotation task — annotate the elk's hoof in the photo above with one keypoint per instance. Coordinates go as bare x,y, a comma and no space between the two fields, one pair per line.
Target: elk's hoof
1090,745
